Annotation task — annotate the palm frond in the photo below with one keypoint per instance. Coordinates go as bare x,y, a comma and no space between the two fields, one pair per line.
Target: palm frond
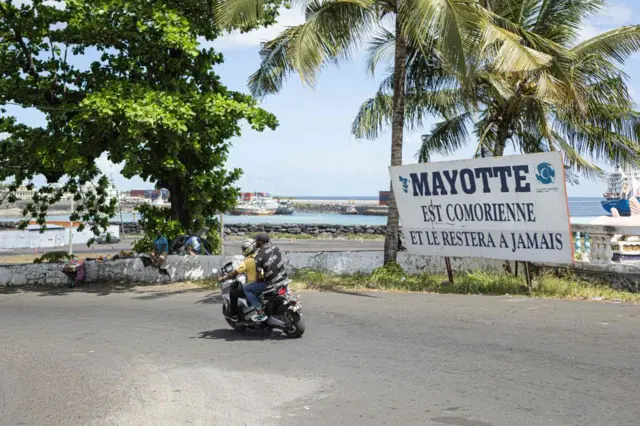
512,55
445,138
450,24
240,14
380,49
575,160
561,20
274,66
601,144
375,114
616,44
332,32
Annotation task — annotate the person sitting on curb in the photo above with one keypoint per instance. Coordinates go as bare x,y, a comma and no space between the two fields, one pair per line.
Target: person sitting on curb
193,246
160,250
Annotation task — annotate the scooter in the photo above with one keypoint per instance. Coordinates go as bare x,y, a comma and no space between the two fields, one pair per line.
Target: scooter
283,310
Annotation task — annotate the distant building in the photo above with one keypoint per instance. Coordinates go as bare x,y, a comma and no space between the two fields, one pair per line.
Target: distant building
152,194
24,193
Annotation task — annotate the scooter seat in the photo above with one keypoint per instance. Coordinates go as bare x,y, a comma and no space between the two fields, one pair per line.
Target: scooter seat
272,289
269,290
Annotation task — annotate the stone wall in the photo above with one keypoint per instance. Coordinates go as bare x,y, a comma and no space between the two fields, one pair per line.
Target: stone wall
127,271
320,207
184,268
321,230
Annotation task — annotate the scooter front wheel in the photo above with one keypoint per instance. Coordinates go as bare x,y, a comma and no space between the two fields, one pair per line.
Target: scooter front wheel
235,326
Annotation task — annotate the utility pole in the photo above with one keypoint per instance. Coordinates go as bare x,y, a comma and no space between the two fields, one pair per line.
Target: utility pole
221,234
71,228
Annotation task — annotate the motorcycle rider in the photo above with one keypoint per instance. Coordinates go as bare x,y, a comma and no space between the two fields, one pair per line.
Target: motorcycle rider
270,266
247,266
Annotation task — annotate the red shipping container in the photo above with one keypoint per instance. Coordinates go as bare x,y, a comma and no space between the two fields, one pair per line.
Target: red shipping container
383,198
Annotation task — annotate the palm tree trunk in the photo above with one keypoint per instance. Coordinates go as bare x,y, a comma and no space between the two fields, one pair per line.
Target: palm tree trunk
501,138
397,129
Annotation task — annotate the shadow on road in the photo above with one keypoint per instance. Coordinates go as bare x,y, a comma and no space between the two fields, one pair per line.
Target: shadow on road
213,298
338,289
230,335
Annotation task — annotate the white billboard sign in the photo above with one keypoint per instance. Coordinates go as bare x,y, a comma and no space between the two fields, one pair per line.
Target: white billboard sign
511,208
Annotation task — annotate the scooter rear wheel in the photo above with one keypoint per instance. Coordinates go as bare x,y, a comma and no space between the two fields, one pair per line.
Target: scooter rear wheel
297,328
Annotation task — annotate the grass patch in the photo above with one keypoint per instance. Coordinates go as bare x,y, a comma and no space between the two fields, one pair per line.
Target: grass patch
392,278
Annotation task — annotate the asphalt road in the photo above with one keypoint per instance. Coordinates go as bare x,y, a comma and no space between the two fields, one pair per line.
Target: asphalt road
169,359
232,246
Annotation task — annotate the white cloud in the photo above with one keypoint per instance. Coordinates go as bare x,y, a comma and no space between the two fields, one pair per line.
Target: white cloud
115,171
615,15
414,140
236,40
58,4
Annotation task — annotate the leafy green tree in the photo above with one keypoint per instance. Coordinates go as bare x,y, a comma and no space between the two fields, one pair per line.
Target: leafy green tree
577,103
335,29
149,100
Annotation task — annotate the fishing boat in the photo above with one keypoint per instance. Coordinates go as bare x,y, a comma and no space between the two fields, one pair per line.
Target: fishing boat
375,210
622,185
256,204
350,209
285,208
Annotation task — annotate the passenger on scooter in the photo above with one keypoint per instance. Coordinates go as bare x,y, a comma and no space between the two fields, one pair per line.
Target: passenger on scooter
270,266
247,266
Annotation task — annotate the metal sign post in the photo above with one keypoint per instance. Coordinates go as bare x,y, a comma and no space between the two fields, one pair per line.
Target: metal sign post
527,274
447,262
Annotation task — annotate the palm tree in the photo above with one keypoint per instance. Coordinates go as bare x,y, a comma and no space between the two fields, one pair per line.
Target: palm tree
335,29
577,103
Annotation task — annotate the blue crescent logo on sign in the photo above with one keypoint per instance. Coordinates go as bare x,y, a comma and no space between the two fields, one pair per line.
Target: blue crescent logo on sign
405,184
546,174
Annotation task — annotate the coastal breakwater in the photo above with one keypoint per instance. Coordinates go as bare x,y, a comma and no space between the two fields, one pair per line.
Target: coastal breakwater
319,230
241,230
128,206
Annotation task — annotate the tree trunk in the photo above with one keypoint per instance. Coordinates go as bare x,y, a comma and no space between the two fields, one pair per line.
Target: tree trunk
397,129
501,138
178,203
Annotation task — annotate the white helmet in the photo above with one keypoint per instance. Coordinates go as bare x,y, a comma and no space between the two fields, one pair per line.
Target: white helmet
248,247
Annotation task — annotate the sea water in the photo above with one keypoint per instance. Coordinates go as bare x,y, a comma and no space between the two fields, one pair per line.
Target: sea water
581,209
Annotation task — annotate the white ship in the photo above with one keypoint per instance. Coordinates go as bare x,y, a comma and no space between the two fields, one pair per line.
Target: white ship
256,204
622,185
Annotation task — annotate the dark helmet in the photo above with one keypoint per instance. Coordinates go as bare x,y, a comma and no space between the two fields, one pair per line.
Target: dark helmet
263,237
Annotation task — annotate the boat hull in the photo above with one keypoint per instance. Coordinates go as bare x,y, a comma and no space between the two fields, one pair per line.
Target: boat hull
253,212
376,211
285,211
621,205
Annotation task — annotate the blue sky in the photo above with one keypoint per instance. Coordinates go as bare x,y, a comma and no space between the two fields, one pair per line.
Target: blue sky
312,151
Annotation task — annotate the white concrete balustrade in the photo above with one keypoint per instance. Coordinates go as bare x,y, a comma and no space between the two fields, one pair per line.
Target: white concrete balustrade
600,244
